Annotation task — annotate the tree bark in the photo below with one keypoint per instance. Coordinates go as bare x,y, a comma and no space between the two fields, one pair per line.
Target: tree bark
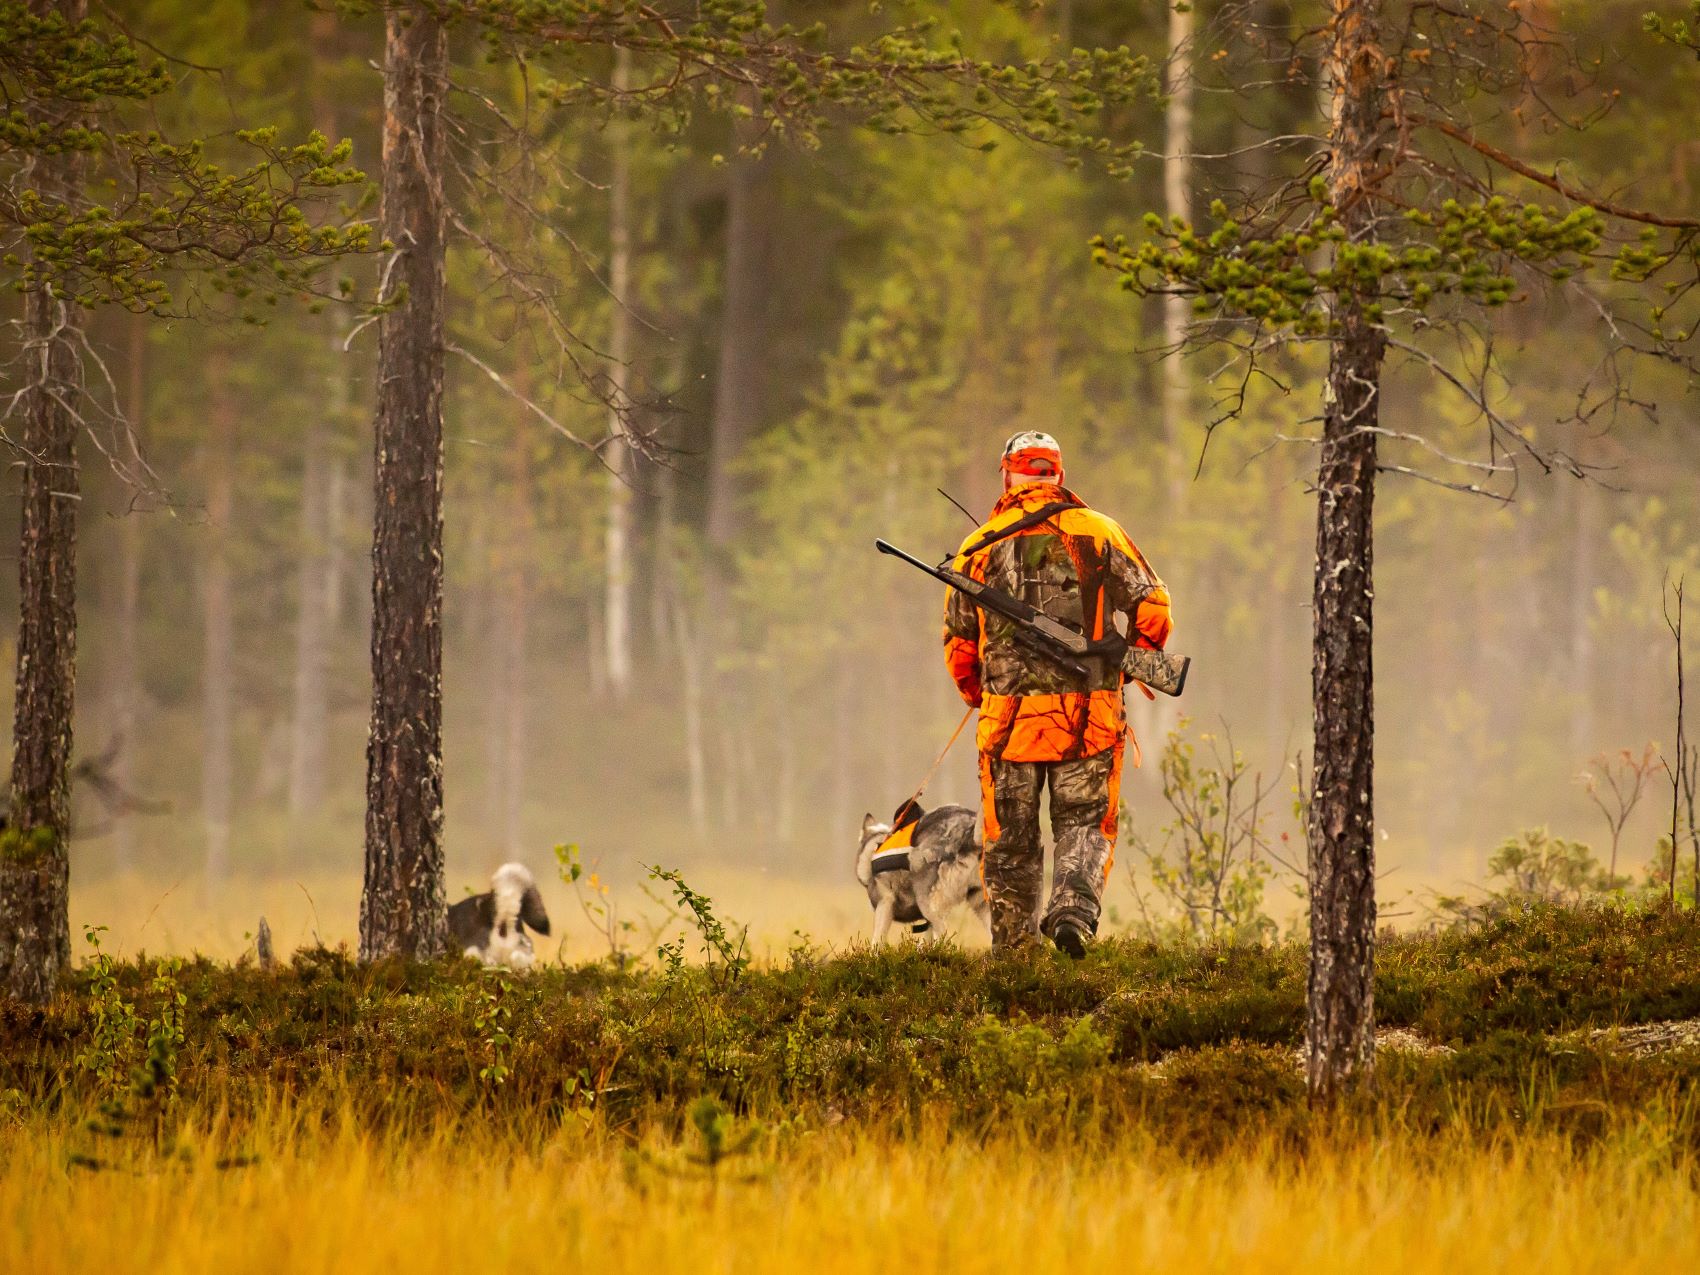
1340,1035
35,869
739,382
1177,202
617,584
218,665
317,578
403,908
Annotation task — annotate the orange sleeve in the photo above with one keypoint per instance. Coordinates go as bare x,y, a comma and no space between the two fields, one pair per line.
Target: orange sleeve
962,646
963,658
1137,591
1152,622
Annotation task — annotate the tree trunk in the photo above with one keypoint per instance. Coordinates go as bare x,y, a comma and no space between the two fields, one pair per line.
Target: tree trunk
516,612
738,383
1278,649
310,707
403,908
688,650
1585,529
660,558
735,417
1340,1035
317,578
515,720
505,718
218,665
485,636
35,869
1177,202
617,584
126,672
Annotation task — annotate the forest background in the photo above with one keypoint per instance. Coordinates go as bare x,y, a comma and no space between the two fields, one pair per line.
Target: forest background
820,337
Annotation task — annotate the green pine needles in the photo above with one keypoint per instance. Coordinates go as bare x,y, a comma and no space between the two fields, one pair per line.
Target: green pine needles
1461,249
140,207
912,76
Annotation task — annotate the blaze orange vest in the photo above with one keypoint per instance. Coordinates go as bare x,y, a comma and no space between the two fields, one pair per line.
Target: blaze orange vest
901,838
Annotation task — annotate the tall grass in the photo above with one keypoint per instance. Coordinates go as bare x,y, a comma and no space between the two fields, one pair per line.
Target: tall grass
942,1110
328,1194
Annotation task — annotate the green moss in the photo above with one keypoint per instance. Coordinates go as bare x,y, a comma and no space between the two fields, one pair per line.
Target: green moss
1196,1044
25,844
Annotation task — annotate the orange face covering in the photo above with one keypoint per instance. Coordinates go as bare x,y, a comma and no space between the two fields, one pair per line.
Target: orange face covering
1035,462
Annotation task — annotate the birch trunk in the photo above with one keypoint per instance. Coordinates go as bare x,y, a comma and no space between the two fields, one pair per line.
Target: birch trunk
403,909
1177,202
1585,528
126,671
317,579
617,584
516,612
218,629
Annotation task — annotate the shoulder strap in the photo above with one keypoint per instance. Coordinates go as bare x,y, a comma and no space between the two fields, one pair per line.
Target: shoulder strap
1043,514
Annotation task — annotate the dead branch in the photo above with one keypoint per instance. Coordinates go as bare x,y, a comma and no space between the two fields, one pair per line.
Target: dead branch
1551,181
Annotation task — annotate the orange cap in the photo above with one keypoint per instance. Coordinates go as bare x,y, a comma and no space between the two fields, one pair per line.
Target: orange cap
1034,454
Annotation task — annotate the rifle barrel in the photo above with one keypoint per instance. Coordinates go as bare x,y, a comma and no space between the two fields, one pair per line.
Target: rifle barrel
1034,629
885,546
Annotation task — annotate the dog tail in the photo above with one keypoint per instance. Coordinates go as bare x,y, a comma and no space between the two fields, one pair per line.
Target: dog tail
901,859
517,897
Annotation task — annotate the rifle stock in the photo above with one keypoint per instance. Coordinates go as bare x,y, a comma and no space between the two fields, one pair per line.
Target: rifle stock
1160,670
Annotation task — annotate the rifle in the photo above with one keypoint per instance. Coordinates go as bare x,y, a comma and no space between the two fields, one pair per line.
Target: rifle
1073,651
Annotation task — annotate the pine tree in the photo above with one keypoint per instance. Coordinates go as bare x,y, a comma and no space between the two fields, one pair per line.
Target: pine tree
176,210
1386,243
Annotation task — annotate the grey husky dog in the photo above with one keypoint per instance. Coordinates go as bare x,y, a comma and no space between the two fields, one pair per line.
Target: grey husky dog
491,926
918,885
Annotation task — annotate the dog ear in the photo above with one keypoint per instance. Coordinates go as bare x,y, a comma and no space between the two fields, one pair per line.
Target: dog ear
868,822
531,911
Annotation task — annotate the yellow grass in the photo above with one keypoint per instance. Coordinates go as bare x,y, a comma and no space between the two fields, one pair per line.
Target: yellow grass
145,913
329,1198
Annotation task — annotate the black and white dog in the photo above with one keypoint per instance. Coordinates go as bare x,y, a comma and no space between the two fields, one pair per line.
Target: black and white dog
919,884
491,926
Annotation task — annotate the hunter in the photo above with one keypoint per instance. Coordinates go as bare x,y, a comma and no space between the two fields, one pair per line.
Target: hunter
1039,723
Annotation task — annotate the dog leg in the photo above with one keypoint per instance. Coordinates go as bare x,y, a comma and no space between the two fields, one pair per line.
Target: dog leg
932,915
882,920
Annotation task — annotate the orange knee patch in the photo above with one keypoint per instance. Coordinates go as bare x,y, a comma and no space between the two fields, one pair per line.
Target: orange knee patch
1112,810
989,826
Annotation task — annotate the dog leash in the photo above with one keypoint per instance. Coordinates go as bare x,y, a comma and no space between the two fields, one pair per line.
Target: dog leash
939,760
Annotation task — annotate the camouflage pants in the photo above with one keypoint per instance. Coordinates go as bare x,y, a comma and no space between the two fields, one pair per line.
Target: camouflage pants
1084,799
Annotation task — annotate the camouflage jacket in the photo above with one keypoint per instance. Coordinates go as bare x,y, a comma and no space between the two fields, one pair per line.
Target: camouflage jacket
1077,567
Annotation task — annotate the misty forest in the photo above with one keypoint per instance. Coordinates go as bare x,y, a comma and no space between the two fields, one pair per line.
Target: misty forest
447,441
